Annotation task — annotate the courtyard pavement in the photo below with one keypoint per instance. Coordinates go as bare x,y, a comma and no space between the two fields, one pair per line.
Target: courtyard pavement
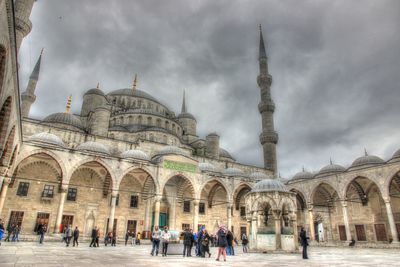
56,254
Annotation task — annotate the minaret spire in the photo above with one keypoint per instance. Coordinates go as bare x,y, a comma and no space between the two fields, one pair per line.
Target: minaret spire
68,106
184,110
134,83
28,97
268,137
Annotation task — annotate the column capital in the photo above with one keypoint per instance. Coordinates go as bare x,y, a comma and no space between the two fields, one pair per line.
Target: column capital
157,198
114,194
387,200
344,203
6,180
196,202
229,205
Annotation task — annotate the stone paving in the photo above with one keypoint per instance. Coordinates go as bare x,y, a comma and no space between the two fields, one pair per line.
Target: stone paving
56,254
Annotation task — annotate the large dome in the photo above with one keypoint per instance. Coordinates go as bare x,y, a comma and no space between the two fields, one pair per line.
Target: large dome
135,154
269,185
94,91
303,175
331,168
367,160
93,147
186,115
233,172
396,154
134,93
64,118
225,154
47,138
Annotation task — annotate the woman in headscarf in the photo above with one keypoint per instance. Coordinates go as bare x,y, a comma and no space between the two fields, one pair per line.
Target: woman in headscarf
222,242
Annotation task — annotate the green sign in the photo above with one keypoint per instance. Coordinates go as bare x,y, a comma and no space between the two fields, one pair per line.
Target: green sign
179,166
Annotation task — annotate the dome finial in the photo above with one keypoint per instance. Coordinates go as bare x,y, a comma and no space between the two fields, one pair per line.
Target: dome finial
303,169
365,152
41,51
183,110
330,160
98,85
68,106
134,83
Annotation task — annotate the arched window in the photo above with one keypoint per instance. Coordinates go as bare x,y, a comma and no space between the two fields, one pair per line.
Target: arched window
130,119
159,123
4,119
149,121
6,155
140,120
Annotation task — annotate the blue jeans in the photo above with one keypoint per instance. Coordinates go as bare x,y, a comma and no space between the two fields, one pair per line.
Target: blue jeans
228,250
156,245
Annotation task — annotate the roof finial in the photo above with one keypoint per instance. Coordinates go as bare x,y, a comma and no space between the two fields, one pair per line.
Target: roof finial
134,83
303,169
262,54
41,52
98,85
68,106
183,110
330,160
365,152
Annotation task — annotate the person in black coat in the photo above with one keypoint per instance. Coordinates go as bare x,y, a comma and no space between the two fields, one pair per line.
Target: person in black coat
222,242
187,243
304,242
76,236
94,236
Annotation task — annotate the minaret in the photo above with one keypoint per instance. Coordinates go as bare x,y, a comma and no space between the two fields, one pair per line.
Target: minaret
23,25
183,110
268,137
28,97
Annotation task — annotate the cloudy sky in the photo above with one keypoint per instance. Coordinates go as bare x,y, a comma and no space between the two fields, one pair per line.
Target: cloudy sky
335,68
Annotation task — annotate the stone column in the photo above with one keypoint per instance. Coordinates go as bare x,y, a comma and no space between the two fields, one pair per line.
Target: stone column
391,221
253,243
112,211
278,223
346,220
172,213
229,215
147,215
63,195
311,223
293,219
6,182
157,203
196,215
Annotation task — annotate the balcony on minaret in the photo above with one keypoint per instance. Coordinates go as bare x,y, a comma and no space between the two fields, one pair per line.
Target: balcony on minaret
264,80
266,106
268,137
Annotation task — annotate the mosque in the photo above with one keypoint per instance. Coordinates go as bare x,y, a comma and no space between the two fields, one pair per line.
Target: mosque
128,162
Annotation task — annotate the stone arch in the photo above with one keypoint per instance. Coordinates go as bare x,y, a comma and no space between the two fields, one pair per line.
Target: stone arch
392,177
220,181
188,183
322,188
240,191
255,204
5,113
145,170
287,202
8,148
300,198
361,188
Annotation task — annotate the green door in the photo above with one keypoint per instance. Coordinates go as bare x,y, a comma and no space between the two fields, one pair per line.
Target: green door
162,221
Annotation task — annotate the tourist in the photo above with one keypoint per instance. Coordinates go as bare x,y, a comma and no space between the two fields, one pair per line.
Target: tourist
156,235
205,242
42,228
138,237
187,243
1,230
165,237
16,231
222,242
353,242
97,236
108,238
229,238
198,242
68,234
304,242
133,238
94,235
127,235
113,239
76,236
245,242
10,230
192,241
64,235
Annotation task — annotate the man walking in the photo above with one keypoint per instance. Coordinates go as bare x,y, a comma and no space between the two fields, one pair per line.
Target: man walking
187,242
94,235
42,228
68,235
165,236
76,236
304,242
156,235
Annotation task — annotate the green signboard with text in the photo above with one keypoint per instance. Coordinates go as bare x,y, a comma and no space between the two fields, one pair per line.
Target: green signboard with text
179,166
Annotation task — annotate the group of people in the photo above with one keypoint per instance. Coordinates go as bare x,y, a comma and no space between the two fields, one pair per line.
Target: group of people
134,237
12,232
68,234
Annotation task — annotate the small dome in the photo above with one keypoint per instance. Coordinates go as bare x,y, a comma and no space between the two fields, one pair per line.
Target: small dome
303,175
269,185
94,91
233,172
186,115
64,118
225,154
259,176
367,160
332,168
47,138
135,154
93,147
205,166
172,150
134,93
396,154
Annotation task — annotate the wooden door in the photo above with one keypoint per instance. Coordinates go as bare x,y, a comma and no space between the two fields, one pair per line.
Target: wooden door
380,232
398,230
360,233
42,218
342,233
65,221
16,218
243,230
131,226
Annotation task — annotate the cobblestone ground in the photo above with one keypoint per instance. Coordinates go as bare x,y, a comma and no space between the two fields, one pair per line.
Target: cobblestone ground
56,254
